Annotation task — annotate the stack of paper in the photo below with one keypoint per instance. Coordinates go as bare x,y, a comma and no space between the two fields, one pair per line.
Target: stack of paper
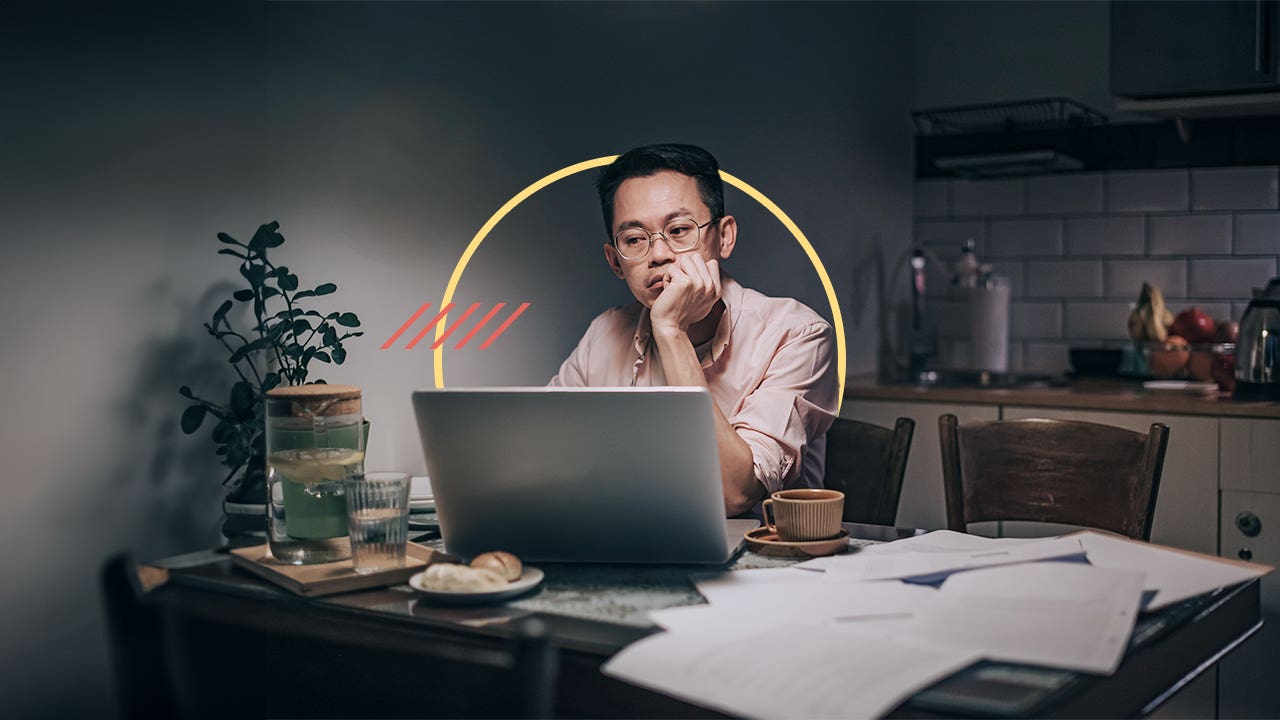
855,635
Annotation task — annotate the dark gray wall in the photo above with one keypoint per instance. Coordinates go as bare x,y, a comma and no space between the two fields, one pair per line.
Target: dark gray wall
381,137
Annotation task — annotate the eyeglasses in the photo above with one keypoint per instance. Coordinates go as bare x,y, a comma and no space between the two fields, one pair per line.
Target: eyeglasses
681,234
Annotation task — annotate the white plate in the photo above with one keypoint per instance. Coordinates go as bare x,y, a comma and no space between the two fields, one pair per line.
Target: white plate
528,580
420,488
1181,387
422,505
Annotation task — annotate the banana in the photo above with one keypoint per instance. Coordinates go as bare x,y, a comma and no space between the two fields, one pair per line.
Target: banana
1149,321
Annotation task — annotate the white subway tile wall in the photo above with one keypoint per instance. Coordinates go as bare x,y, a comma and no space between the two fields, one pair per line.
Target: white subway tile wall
1147,191
1066,194
1189,234
1078,247
987,197
1107,235
1013,238
1233,189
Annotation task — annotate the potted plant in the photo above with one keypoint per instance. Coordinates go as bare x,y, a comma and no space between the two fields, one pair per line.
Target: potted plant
278,348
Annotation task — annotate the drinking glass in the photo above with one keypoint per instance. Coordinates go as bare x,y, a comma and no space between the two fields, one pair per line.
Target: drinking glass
378,520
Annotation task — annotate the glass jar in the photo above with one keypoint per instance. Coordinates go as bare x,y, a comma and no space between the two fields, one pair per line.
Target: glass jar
314,443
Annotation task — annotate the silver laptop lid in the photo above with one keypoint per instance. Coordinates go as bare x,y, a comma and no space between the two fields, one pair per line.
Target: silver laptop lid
576,474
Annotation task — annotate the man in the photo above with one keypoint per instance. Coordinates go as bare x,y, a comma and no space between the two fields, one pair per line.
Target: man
767,361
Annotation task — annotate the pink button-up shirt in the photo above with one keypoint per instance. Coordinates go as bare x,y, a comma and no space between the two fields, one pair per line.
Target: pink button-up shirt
770,368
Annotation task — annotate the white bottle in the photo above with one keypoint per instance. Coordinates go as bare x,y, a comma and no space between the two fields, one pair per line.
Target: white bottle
966,267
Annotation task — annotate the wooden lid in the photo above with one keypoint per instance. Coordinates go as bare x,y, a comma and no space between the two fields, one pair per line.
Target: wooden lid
313,399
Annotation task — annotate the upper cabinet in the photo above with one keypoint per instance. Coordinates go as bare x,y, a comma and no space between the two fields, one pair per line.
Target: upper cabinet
1205,47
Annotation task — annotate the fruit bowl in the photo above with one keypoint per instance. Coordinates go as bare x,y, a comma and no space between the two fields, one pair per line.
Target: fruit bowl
1208,362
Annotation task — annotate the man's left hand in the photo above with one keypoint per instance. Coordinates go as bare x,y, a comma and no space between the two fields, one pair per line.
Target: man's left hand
691,287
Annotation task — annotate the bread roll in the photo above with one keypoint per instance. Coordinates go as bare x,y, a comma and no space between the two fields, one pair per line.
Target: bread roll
502,563
460,578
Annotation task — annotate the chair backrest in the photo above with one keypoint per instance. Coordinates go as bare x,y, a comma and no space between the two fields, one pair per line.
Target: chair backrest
1056,471
866,462
135,637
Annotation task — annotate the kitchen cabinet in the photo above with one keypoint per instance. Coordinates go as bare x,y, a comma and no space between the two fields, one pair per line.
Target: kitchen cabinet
1205,47
1250,455
1249,678
923,502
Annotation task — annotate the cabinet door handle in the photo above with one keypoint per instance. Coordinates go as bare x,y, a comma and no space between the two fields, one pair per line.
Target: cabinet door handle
1249,524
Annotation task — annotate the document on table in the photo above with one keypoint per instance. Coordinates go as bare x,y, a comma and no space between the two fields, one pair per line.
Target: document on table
935,565
878,606
1067,615
936,542
1174,575
811,671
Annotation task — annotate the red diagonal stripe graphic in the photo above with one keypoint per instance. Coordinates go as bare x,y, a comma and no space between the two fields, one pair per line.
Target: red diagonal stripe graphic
407,324
439,316
481,324
440,340
502,328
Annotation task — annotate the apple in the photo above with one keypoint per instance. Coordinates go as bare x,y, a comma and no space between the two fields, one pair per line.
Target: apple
1224,371
1226,332
1167,360
1194,325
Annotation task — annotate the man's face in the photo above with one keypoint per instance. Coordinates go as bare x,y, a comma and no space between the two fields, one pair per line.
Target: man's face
650,203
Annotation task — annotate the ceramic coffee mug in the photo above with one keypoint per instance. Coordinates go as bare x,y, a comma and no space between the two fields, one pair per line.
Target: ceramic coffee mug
804,514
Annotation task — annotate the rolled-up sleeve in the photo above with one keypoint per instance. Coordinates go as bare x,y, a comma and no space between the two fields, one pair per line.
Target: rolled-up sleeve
792,407
573,371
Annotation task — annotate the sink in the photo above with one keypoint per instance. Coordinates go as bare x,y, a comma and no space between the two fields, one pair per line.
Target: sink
981,379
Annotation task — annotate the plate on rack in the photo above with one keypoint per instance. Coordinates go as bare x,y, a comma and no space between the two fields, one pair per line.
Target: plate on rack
421,497
528,580
1180,387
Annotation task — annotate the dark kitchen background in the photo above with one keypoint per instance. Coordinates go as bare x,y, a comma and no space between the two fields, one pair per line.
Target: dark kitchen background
382,136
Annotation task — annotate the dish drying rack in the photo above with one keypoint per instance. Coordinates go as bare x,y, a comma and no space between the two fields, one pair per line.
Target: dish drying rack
1052,113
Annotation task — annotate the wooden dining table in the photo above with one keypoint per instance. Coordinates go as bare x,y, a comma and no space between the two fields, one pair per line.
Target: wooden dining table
237,646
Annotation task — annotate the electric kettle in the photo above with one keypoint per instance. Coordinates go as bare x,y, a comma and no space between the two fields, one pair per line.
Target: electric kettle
1258,349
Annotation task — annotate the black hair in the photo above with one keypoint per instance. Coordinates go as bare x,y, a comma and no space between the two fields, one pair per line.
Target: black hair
644,161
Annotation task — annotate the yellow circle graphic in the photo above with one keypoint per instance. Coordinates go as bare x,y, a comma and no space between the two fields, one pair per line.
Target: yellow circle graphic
601,162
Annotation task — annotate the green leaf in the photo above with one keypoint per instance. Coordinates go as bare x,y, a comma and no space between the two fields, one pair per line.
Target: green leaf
325,289
339,355
185,392
269,292
222,450
289,282
300,326
273,240
263,234
348,320
271,381
253,273
289,314
223,237
221,312
303,294
322,356
221,432
330,336
243,295
280,271
233,253
192,418
243,398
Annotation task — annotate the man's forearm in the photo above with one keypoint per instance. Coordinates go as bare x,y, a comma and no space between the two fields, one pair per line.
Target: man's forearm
680,363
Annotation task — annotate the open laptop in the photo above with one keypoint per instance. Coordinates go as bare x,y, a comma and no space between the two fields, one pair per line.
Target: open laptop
626,475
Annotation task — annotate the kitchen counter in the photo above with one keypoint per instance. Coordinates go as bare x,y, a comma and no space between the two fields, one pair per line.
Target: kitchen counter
1089,394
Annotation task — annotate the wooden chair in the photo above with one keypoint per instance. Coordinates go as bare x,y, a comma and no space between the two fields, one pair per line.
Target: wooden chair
136,640
1054,471
866,462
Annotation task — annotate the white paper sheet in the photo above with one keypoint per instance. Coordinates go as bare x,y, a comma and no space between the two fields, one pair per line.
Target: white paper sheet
748,586
1067,615
878,605
911,564
818,671
1176,575
936,542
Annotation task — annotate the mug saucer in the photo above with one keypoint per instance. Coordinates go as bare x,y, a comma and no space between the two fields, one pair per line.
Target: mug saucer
764,542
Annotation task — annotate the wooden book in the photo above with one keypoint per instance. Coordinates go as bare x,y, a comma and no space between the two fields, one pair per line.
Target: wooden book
335,577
